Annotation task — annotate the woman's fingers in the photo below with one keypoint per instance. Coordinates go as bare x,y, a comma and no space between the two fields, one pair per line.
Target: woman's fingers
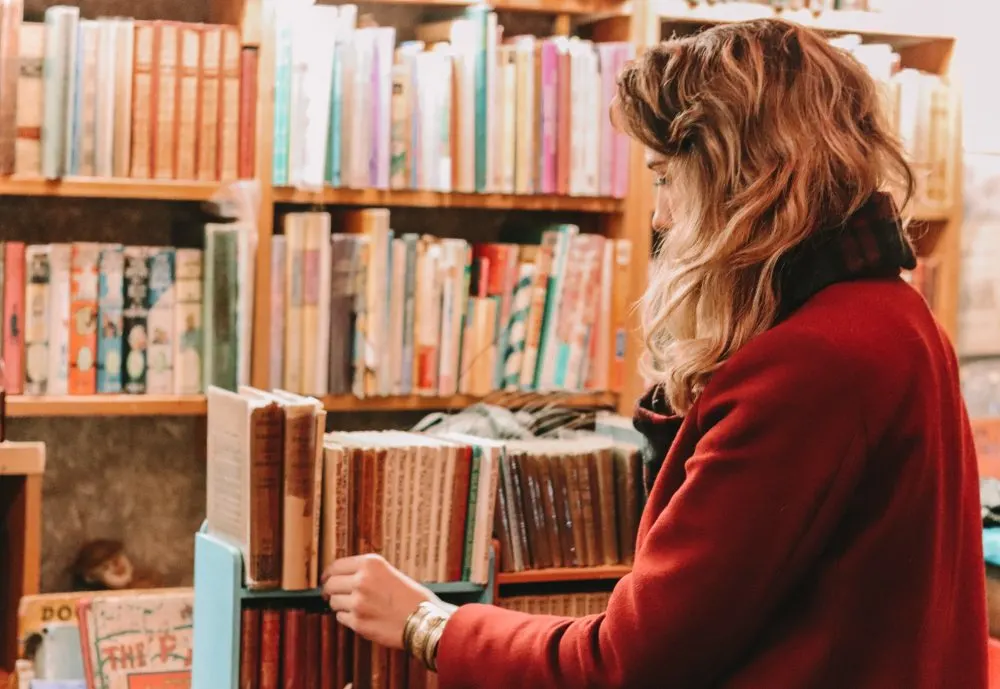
348,620
345,565
342,602
339,584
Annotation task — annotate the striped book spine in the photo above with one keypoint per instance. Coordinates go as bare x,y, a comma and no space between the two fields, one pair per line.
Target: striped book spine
514,355
110,303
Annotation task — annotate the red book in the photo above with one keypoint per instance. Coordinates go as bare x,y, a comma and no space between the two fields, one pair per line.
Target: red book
293,670
328,652
13,318
270,649
250,658
312,650
248,113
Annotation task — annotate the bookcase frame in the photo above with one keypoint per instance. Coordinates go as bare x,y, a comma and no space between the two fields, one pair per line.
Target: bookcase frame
921,43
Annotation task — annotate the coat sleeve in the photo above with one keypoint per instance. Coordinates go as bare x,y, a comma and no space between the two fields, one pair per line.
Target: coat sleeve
781,448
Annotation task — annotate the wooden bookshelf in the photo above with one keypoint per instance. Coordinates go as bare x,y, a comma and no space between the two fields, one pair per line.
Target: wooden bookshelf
537,6
347,403
194,405
908,26
563,574
109,188
436,199
107,405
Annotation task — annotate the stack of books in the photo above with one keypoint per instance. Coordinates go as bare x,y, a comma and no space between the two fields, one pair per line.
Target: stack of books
560,604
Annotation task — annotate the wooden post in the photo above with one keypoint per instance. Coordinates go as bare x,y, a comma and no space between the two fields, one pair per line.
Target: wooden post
21,469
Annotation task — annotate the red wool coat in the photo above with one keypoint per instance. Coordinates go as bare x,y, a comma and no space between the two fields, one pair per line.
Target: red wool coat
815,525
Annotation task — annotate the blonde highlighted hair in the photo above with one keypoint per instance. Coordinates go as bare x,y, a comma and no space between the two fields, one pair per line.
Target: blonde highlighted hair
769,134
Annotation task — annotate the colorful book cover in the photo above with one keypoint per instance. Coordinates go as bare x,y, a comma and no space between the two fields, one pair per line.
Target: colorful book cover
135,337
110,305
282,97
13,317
160,322
138,640
36,320
60,260
188,331
83,319
409,310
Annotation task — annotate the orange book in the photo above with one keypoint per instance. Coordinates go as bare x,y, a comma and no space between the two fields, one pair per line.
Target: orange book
229,104
165,78
619,313
188,90
208,103
143,100
248,113
83,319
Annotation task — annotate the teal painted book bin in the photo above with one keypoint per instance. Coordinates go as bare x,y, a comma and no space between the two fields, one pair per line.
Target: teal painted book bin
219,592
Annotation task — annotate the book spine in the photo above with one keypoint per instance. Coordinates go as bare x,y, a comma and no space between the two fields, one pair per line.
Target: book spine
110,319
250,660
278,307
36,319
10,33
208,131
60,259
249,61
188,326
143,110
229,103
161,297
60,49
85,141
409,311
188,91
104,101
124,87
135,313
13,317
167,56
282,99
83,319
30,100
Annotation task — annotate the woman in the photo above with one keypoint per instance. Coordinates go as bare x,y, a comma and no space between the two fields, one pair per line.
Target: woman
813,520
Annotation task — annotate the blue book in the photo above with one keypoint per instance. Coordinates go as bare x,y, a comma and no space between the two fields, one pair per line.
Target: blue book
110,303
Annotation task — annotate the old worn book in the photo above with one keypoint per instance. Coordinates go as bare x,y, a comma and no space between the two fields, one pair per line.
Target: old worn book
245,472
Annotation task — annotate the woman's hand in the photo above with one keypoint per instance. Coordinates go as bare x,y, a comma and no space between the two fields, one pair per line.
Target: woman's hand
372,597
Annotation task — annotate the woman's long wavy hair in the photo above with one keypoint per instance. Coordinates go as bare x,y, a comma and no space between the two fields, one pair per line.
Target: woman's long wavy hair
769,134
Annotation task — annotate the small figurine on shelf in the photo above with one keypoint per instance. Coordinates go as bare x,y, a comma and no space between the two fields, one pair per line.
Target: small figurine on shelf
103,565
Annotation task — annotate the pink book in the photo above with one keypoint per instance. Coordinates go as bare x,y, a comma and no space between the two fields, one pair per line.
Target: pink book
625,52
13,317
607,53
550,122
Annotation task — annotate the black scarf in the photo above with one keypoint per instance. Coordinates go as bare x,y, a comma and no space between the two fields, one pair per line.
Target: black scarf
870,244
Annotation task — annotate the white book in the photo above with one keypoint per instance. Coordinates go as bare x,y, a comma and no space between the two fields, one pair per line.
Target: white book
104,106
277,340
60,256
188,329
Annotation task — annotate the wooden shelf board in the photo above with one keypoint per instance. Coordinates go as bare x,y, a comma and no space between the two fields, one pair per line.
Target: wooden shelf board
452,588
107,405
561,574
909,25
435,199
88,187
539,6
349,403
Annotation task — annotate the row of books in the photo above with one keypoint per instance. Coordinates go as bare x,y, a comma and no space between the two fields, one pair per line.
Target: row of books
568,503
923,109
88,318
302,647
116,97
580,604
308,498
459,109
412,314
